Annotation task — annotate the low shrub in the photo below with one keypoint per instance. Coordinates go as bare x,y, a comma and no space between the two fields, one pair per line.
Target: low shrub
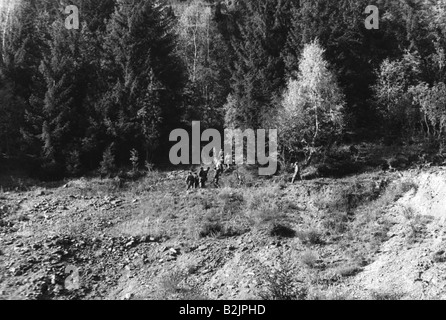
309,258
311,236
177,285
281,231
280,283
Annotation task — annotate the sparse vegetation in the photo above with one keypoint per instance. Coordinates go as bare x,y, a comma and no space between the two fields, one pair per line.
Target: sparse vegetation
263,208
311,236
309,258
416,223
386,295
87,121
108,166
134,159
280,283
281,230
177,285
211,229
348,269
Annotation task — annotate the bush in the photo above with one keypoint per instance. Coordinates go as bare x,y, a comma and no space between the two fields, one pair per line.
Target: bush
134,159
73,164
309,258
108,166
335,222
280,283
264,207
309,237
211,229
177,285
348,270
232,201
282,231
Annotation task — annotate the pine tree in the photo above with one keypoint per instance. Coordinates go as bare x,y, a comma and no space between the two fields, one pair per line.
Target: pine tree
62,104
21,41
145,77
258,70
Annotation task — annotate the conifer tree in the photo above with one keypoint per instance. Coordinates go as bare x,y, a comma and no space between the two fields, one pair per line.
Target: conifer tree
258,70
145,75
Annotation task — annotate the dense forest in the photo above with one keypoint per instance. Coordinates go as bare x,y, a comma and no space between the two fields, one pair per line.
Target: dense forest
74,101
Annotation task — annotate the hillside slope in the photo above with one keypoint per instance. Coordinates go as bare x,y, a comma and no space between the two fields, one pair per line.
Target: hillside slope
373,236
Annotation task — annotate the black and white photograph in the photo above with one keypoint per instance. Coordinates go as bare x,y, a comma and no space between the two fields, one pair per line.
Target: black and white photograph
219,151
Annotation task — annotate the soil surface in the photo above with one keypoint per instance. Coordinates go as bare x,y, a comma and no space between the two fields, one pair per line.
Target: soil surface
88,239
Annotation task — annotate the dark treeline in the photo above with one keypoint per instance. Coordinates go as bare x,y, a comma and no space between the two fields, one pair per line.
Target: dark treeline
77,100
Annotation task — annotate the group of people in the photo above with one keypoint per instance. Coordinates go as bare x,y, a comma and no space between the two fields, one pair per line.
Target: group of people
196,180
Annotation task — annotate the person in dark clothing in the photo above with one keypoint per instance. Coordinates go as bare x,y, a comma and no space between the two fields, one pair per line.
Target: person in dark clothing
190,180
196,180
203,176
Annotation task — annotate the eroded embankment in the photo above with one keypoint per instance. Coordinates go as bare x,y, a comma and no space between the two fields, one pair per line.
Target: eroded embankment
411,264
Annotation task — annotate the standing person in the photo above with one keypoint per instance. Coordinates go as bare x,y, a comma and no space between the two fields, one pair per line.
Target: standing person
190,180
203,177
218,172
296,173
196,180
228,160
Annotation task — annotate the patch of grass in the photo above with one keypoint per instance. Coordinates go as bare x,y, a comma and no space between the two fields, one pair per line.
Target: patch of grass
370,225
287,206
335,222
386,295
177,285
236,226
211,229
232,201
331,293
4,210
417,225
348,269
311,236
309,258
149,182
342,197
207,204
280,282
218,225
262,207
144,226
408,185
395,191
244,176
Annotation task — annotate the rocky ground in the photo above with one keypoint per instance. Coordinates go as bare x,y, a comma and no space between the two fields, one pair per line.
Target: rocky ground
372,236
